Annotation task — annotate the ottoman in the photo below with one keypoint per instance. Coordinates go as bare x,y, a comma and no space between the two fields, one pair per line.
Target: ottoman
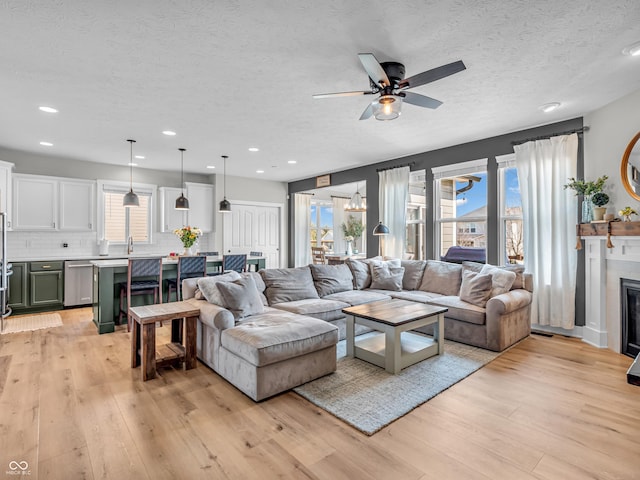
275,351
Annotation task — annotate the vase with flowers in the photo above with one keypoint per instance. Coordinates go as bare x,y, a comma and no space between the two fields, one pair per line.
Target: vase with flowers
626,213
352,230
587,189
188,236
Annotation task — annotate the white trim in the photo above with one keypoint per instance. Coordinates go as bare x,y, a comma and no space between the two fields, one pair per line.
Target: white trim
506,161
463,168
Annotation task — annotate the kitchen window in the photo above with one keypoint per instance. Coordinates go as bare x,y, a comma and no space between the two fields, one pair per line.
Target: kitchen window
460,193
117,222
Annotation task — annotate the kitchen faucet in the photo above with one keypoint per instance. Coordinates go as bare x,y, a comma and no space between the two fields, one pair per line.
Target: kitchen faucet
130,245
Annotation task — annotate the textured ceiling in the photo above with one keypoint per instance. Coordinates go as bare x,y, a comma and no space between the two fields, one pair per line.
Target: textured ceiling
231,75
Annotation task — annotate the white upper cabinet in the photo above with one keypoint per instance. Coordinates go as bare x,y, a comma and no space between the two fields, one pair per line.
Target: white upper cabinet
170,218
6,169
77,205
52,203
202,207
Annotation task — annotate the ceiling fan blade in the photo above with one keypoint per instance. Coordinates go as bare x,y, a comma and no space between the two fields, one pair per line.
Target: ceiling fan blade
367,112
432,75
374,69
420,100
341,94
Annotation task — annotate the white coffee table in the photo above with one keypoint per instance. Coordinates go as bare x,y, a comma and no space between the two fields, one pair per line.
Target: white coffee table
395,347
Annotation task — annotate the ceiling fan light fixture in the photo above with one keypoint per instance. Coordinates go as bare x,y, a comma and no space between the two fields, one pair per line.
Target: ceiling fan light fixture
387,107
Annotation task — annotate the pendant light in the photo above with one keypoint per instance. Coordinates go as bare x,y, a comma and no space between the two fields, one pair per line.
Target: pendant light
131,199
182,203
225,206
356,204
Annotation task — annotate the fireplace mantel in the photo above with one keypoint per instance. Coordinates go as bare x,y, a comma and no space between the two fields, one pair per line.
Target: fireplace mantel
600,229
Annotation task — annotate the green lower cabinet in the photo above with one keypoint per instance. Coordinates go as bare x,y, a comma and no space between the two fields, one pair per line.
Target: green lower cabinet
36,286
46,289
18,286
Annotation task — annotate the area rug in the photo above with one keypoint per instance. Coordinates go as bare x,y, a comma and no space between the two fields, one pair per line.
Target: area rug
27,323
368,398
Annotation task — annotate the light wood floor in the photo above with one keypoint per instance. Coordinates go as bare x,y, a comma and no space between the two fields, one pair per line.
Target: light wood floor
71,407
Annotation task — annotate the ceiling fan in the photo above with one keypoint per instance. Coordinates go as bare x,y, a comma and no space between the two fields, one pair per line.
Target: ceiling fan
387,79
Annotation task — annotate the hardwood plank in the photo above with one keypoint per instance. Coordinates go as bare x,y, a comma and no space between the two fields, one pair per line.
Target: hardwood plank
72,407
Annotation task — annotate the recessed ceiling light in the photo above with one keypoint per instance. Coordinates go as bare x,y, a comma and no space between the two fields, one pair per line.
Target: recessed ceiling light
211,166
48,109
169,133
292,162
139,157
254,149
46,144
632,50
549,107
132,164
259,171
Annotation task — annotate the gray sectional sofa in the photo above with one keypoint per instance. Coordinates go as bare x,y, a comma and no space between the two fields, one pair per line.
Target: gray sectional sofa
269,331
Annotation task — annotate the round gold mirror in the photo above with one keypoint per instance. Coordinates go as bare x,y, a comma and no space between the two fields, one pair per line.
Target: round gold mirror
630,168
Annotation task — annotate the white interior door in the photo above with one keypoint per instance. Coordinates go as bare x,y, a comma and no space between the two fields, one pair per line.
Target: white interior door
252,227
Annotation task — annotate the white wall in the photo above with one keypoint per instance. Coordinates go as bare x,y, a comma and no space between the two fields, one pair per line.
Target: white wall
611,129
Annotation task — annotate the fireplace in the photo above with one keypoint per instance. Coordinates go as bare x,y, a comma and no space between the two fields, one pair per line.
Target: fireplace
630,315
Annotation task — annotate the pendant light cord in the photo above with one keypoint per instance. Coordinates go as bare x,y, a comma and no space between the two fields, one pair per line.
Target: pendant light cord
182,170
131,142
224,179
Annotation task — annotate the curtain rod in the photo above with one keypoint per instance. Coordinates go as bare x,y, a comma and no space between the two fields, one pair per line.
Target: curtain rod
345,198
544,137
304,193
411,164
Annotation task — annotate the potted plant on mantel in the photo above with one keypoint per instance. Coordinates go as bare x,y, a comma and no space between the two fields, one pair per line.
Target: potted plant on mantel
587,189
599,199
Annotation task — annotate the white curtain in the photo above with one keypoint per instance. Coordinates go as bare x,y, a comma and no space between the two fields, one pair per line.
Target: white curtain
393,195
302,229
550,216
339,217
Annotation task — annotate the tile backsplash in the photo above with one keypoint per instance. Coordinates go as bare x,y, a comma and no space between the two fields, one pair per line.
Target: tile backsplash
44,245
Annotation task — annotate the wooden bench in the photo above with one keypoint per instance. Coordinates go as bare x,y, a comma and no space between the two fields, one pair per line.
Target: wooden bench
143,336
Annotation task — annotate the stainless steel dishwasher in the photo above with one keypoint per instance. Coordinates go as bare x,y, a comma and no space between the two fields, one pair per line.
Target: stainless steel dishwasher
78,283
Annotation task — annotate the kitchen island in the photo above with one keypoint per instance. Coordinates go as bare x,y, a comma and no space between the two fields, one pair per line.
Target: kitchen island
108,274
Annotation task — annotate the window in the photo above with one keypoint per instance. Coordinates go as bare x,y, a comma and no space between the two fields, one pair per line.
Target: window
119,223
322,224
461,205
511,226
415,248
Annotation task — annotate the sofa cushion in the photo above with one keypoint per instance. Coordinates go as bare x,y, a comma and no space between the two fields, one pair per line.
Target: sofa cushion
275,336
241,297
519,282
361,271
501,279
209,286
288,284
385,277
259,285
475,287
330,279
461,310
315,307
358,297
441,277
415,295
413,272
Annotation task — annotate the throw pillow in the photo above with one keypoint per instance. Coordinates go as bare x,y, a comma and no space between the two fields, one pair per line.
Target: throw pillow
209,286
259,285
241,297
475,288
501,280
441,277
519,271
288,284
361,272
413,272
384,277
330,279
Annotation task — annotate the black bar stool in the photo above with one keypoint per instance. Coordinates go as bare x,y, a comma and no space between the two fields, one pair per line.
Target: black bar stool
188,267
144,277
